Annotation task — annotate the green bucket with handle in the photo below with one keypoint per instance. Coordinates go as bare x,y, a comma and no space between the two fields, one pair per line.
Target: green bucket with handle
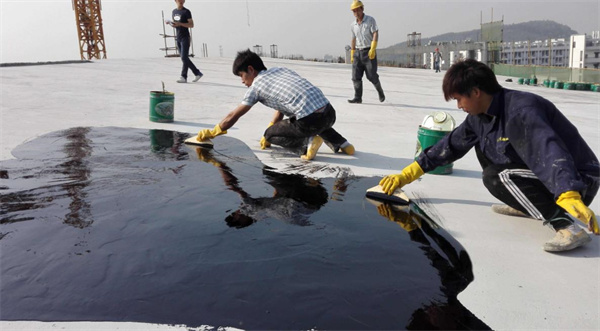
435,127
162,106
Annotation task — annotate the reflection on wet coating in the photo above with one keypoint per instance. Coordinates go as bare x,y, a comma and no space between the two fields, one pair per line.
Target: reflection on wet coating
112,224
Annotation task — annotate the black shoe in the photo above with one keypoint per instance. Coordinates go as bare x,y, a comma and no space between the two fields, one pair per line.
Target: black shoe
381,97
355,100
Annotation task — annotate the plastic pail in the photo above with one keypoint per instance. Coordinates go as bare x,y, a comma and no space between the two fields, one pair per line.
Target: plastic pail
426,138
533,81
435,126
162,106
521,80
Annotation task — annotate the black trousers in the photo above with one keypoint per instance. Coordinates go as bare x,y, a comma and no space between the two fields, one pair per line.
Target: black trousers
295,134
362,64
519,187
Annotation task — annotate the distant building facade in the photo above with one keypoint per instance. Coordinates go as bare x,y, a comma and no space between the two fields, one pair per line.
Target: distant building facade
579,51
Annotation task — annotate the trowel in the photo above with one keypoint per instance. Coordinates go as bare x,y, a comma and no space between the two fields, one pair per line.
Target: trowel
207,143
398,197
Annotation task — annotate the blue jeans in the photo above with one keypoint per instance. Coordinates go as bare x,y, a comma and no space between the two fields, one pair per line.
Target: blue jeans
183,45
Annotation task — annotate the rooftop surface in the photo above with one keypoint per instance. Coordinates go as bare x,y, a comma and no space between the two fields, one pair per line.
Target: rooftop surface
517,285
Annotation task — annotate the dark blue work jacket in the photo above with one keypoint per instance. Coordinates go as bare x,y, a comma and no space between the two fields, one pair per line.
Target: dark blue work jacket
525,129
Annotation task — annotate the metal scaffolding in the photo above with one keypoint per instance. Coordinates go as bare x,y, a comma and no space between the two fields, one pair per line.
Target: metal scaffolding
89,29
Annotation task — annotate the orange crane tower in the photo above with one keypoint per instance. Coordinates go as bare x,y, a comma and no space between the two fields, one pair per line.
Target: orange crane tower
89,29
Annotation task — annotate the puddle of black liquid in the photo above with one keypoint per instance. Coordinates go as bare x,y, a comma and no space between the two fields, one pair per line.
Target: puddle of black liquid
113,224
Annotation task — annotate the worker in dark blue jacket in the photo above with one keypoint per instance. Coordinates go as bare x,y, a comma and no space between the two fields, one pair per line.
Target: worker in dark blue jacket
533,159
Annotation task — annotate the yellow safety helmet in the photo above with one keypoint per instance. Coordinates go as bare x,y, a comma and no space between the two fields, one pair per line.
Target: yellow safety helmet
356,4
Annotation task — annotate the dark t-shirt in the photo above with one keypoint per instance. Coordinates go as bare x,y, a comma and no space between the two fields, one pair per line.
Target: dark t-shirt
182,16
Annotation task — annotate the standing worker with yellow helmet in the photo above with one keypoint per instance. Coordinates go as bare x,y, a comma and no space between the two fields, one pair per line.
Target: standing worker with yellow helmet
363,54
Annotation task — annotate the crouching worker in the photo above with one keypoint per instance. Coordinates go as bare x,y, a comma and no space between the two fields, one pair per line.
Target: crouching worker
310,116
533,159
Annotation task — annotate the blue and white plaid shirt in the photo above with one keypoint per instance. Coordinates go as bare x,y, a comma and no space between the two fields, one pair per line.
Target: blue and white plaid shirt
284,90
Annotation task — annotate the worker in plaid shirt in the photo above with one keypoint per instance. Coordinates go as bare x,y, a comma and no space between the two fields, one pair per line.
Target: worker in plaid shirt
309,116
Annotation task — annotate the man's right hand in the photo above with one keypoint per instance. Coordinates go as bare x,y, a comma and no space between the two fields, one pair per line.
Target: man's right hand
263,141
352,56
409,174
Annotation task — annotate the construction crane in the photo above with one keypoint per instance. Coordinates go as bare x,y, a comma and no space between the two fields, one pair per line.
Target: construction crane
89,29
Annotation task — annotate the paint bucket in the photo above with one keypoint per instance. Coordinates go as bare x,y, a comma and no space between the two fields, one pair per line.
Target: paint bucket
546,83
435,126
533,81
162,106
521,80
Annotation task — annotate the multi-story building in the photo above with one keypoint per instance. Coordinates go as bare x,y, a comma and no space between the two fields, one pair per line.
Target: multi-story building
580,51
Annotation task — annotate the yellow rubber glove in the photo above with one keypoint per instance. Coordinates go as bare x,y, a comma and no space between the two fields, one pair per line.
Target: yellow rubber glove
403,219
409,174
209,134
571,202
351,56
372,52
263,142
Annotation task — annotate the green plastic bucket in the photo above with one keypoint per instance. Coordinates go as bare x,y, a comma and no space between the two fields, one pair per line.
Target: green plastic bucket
569,86
546,82
521,80
162,106
553,84
560,85
533,81
427,138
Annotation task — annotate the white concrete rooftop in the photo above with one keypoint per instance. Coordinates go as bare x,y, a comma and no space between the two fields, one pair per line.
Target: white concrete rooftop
517,285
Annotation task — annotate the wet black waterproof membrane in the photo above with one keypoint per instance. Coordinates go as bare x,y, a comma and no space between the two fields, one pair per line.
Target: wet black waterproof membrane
113,224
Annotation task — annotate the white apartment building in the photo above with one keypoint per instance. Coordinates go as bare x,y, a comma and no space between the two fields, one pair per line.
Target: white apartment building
580,51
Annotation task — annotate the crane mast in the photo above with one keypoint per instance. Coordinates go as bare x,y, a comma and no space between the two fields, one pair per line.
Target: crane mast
89,29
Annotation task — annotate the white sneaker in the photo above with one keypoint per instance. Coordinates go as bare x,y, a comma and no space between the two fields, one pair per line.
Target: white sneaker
182,80
198,77
508,210
566,240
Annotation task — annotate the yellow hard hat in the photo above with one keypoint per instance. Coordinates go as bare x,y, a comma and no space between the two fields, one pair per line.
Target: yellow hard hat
356,4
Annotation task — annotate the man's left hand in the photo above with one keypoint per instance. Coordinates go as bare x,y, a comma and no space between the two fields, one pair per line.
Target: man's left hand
372,52
572,203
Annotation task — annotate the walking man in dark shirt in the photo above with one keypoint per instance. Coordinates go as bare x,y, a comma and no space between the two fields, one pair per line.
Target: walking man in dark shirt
182,22
533,159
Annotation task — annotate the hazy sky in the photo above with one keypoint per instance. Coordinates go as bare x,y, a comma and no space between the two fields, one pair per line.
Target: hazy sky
45,30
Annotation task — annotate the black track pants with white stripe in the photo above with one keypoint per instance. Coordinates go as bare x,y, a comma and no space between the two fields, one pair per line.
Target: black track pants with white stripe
522,190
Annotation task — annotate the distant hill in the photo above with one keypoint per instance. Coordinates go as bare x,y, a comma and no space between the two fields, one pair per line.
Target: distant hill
532,30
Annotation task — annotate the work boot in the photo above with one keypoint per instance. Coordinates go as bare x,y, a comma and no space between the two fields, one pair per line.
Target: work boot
566,240
312,149
380,92
358,91
508,210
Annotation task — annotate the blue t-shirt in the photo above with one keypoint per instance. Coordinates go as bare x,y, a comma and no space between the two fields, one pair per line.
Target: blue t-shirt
182,16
